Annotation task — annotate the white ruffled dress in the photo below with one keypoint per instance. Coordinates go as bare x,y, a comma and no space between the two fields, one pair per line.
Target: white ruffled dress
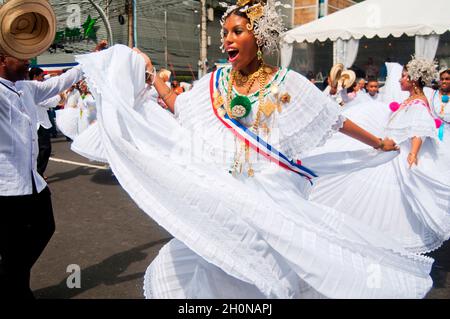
411,205
78,121
68,117
238,237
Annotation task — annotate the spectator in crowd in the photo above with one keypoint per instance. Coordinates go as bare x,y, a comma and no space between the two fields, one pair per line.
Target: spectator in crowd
372,88
361,85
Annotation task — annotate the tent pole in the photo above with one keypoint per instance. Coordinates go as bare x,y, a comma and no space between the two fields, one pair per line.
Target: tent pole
334,52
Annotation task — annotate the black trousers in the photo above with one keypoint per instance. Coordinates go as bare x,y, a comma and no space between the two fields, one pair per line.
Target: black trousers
52,115
26,226
45,149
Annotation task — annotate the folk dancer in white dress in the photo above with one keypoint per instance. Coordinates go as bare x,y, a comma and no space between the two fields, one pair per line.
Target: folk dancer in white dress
78,122
88,141
409,197
212,177
67,118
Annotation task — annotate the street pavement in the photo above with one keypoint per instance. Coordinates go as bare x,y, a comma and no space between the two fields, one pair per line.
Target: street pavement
101,230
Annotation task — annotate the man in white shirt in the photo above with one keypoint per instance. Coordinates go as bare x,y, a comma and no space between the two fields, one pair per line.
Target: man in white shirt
26,219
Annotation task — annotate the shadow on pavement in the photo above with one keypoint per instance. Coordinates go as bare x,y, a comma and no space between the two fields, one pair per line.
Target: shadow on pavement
106,272
80,170
60,140
104,177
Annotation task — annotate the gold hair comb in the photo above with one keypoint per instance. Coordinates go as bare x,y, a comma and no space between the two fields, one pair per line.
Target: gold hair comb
242,3
254,13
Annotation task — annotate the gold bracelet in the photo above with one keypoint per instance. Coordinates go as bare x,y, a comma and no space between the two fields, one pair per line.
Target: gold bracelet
380,146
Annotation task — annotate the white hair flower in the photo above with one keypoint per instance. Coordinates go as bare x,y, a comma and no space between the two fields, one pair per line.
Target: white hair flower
265,21
422,69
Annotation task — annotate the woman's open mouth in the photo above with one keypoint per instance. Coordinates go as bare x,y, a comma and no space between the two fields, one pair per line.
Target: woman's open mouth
232,55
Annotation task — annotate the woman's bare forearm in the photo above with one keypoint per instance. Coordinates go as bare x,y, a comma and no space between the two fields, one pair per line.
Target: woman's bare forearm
166,93
416,144
356,132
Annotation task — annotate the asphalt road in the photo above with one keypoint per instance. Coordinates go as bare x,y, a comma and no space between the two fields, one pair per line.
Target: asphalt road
101,230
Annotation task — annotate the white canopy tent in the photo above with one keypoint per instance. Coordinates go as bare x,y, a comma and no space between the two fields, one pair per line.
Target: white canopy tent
382,18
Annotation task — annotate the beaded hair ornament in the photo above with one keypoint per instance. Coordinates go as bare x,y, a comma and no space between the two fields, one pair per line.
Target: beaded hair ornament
265,21
422,69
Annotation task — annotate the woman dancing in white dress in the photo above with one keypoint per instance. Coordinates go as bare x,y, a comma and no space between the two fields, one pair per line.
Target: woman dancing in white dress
409,197
235,205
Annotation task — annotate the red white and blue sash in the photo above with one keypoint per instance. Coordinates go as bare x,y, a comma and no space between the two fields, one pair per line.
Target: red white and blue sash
253,140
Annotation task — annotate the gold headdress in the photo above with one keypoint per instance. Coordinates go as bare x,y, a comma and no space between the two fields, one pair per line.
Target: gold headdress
265,21
254,14
242,3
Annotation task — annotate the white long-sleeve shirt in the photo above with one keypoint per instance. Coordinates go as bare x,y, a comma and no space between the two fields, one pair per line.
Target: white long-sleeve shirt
340,97
43,107
18,134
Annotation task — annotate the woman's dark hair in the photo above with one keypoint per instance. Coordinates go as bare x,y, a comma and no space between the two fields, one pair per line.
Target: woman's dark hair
239,13
445,71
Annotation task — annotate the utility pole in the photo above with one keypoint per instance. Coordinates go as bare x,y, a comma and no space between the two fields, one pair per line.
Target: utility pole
135,40
130,12
166,52
203,69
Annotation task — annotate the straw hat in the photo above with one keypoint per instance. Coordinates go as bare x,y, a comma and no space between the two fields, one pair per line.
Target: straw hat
335,74
348,77
27,28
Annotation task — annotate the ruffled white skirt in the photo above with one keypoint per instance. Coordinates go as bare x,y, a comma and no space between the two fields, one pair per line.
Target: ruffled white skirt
246,238
89,144
67,121
410,205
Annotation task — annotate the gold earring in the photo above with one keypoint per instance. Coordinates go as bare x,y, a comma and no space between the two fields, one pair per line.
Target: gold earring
259,54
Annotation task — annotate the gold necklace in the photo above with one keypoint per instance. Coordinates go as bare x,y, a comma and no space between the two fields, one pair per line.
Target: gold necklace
262,77
248,80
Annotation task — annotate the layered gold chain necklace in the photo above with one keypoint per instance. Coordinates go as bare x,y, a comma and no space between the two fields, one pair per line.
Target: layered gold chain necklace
234,109
247,81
